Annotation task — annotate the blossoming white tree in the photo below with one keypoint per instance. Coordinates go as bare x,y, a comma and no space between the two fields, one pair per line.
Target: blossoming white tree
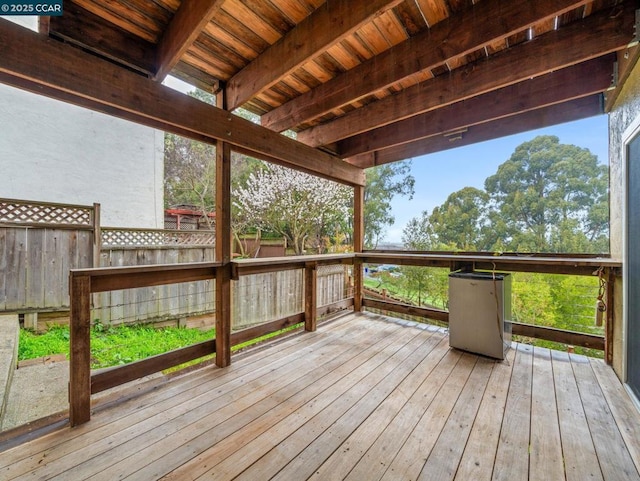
295,205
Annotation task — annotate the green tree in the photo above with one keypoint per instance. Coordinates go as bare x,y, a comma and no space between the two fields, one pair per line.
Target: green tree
383,183
190,169
532,299
189,173
424,285
460,222
551,197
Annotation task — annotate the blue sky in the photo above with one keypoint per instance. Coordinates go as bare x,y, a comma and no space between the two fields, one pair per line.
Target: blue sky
440,174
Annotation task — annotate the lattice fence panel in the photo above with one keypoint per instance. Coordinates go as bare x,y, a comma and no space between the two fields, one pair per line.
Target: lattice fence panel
20,212
118,238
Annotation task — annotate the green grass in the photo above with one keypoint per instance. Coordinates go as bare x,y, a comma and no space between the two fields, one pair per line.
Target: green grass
113,346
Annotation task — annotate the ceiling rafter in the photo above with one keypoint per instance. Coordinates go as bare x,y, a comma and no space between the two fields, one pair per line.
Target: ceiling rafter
87,30
576,81
489,20
596,35
535,119
89,81
326,26
187,23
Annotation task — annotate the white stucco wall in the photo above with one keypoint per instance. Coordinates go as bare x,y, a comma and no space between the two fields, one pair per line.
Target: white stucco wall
57,152
624,116
625,113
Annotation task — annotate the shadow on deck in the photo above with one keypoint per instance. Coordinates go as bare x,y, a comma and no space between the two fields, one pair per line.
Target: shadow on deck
366,397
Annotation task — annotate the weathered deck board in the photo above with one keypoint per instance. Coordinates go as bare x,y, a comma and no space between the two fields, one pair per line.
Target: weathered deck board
545,461
614,457
364,397
512,458
480,451
580,458
622,408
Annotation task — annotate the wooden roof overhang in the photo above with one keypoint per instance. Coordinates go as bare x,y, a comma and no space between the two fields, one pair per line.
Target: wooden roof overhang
361,82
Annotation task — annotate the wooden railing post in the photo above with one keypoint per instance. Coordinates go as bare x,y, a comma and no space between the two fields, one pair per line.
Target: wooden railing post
80,352
310,296
358,245
610,316
223,246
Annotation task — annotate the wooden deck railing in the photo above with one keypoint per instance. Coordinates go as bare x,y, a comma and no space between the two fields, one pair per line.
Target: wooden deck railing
84,282
584,265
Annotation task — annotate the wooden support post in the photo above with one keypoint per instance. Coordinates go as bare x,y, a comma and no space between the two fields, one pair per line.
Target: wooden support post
223,248
80,355
358,245
310,296
31,321
610,316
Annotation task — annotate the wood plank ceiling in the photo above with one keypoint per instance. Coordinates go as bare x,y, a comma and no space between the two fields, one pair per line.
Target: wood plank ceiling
374,81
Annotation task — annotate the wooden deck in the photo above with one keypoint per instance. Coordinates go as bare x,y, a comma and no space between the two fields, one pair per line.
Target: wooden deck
363,398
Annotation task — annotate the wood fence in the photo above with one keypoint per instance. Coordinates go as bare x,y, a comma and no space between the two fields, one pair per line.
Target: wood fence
41,242
188,304
264,297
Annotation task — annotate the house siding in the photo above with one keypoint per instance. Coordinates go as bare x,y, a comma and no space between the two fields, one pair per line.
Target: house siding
624,116
56,152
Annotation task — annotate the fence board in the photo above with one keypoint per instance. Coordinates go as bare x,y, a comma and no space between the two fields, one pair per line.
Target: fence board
4,263
35,266
36,247
158,302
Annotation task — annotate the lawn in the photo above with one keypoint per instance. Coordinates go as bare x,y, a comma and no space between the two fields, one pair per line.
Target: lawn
113,346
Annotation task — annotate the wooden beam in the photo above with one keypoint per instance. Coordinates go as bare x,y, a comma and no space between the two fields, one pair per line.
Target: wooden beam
223,203
260,330
573,338
89,31
489,20
223,296
542,264
358,246
187,23
80,354
112,278
535,119
115,376
310,296
627,60
328,25
596,35
573,82
60,71
407,309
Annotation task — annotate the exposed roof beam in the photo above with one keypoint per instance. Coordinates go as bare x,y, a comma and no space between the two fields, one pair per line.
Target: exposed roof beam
489,21
187,23
81,27
627,59
42,65
573,82
534,119
597,35
328,25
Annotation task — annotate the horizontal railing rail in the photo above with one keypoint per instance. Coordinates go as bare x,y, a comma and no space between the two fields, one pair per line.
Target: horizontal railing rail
581,265
85,282
567,264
